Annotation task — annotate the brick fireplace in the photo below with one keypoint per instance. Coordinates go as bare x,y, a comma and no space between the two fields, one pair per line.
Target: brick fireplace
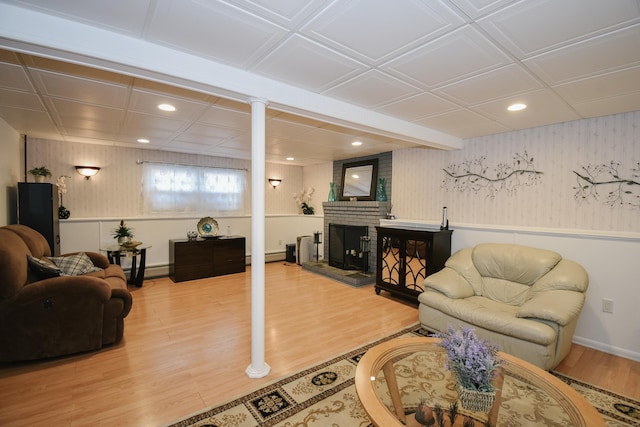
361,213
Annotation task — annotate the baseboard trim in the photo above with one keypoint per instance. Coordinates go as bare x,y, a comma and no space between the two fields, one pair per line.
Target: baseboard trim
163,270
616,351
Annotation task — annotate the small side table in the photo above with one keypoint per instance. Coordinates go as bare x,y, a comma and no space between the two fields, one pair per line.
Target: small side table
136,276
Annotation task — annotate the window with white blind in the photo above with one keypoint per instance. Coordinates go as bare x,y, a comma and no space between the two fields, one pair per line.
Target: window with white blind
181,189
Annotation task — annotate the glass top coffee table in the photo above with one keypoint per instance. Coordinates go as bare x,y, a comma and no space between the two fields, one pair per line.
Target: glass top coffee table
392,377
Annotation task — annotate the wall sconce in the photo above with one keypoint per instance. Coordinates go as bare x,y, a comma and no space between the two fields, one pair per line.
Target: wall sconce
275,182
87,171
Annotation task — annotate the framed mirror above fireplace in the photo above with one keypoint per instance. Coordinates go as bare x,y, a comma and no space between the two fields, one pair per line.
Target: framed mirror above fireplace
359,180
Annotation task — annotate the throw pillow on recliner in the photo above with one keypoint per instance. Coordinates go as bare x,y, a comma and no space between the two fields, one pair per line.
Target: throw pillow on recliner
75,265
43,268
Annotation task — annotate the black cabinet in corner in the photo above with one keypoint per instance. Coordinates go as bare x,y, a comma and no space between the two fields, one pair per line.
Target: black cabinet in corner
38,209
406,257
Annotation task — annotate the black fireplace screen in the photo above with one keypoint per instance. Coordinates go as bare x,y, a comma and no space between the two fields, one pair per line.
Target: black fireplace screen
344,246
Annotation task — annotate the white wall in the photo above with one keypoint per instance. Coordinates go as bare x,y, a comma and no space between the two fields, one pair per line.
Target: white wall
10,172
421,188
93,234
318,177
604,239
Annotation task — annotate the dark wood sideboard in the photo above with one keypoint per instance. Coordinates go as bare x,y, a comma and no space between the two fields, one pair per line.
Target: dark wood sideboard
197,259
406,257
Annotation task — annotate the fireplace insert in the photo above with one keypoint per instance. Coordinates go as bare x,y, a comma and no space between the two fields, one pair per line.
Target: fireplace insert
344,246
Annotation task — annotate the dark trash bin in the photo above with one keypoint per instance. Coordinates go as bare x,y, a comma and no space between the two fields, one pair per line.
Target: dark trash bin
291,252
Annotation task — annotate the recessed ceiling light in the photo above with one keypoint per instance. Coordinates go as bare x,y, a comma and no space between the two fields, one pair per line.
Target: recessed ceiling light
290,158
143,140
517,107
356,143
167,107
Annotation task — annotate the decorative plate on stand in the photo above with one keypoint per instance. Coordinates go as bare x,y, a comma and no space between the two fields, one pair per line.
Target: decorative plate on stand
207,227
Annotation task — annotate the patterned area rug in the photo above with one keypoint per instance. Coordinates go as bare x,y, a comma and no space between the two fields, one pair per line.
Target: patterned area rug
325,395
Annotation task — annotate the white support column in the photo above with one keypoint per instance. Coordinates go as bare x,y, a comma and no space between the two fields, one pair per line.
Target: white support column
258,368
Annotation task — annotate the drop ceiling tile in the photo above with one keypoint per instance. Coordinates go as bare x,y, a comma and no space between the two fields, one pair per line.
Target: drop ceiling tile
217,116
519,29
327,137
197,132
19,99
86,130
104,14
54,66
232,105
463,124
74,114
192,147
588,58
14,77
9,57
415,107
150,126
372,30
495,84
477,8
241,143
147,102
612,105
372,89
457,55
609,85
276,128
543,107
156,138
30,122
287,148
304,63
288,13
149,86
213,30
80,89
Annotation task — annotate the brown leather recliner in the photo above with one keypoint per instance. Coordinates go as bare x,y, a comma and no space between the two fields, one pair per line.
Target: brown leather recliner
41,318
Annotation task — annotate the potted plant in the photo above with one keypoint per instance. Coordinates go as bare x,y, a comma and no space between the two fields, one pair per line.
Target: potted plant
40,173
122,232
475,363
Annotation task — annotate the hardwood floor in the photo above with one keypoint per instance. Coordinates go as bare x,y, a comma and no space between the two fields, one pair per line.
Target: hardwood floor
187,346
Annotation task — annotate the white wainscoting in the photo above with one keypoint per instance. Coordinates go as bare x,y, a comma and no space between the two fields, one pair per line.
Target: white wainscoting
611,259
92,234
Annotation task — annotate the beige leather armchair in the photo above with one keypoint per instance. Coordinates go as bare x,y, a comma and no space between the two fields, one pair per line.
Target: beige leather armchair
525,300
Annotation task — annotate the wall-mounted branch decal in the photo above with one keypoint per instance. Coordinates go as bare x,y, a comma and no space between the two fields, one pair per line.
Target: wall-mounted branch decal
474,175
622,191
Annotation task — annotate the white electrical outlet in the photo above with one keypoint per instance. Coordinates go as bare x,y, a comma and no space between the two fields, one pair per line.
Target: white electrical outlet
607,305
279,242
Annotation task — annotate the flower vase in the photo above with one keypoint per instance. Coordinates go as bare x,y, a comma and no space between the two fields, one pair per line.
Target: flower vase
332,192
476,401
381,192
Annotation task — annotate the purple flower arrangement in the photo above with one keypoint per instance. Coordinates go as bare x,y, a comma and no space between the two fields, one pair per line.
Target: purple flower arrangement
473,360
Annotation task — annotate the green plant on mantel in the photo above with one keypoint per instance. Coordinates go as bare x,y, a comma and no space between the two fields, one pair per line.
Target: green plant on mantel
40,171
